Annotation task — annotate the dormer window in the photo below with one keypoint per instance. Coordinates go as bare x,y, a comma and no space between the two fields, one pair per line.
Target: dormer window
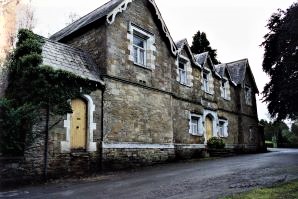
182,73
139,50
248,95
206,81
225,89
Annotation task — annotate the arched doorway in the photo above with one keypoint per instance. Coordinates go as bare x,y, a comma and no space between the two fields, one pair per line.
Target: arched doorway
78,129
209,127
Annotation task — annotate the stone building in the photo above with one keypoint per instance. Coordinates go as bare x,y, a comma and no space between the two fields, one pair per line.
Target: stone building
156,100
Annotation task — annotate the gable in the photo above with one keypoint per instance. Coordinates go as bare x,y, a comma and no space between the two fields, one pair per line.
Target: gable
250,80
184,50
109,11
239,70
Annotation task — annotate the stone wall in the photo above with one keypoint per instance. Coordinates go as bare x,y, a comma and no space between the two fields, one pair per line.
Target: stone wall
61,163
92,40
121,158
119,64
133,114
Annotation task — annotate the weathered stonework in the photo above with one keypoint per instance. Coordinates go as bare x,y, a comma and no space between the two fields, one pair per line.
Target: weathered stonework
142,114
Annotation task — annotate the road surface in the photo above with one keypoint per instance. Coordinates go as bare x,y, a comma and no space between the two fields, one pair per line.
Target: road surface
195,179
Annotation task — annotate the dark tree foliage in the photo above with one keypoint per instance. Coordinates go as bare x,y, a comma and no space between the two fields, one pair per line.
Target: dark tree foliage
294,129
201,44
32,88
281,64
280,133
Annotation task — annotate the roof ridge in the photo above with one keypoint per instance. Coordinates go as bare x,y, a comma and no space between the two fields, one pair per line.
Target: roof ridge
245,59
81,19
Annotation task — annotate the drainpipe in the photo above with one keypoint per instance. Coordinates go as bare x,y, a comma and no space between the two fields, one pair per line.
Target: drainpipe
102,125
240,127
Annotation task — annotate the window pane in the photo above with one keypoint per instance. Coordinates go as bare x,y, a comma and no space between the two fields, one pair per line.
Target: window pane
142,57
221,128
181,66
135,54
194,125
182,76
138,41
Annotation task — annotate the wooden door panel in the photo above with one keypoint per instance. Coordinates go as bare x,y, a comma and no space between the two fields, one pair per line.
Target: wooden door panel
209,127
78,124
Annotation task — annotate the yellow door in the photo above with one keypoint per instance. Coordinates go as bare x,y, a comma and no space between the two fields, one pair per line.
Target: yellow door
78,124
209,127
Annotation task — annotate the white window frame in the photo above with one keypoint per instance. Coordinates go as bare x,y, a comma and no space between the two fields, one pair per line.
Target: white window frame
224,88
199,125
206,81
223,127
248,94
149,46
182,71
140,49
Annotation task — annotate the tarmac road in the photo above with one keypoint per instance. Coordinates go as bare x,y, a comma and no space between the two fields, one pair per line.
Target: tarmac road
195,179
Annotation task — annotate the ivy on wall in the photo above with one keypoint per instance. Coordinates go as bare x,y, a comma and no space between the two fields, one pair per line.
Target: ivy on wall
33,87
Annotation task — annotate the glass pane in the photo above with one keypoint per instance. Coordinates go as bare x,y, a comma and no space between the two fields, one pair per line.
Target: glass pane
181,65
142,57
138,41
135,54
182,75
194,125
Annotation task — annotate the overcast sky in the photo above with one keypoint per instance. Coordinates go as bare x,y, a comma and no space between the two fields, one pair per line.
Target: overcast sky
234,27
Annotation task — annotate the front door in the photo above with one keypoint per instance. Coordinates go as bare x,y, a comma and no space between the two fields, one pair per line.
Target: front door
209,127
78,124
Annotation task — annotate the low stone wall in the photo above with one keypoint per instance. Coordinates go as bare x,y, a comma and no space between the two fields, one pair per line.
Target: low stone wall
19,170
118,158
184,151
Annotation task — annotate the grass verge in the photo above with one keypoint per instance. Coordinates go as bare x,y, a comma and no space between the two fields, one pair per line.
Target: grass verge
282,191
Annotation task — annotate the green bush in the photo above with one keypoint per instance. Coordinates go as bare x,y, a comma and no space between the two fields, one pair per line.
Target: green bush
216,143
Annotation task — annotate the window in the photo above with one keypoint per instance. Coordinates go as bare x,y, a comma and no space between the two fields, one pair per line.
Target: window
224,89
182,73
206,81
139,50
142,47
248,95
195,125
223,128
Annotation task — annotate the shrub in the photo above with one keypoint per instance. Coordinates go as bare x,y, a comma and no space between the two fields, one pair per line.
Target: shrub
216,143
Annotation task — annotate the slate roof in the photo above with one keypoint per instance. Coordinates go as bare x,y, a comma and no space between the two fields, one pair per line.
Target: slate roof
180,43
201,58
237,70
67,58
220,69
86,20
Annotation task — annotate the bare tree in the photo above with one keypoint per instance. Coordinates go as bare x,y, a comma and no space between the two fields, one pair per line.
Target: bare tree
72,17
14,15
